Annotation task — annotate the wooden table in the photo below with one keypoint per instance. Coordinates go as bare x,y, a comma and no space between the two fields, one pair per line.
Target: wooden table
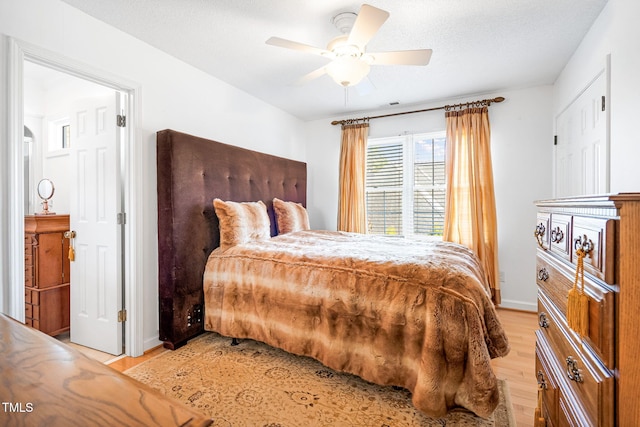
45,382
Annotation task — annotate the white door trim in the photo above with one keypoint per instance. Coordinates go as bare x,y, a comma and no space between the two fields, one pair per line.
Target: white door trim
17,52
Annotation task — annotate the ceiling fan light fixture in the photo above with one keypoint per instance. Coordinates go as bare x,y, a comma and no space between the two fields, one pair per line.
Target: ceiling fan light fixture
347,70
339,46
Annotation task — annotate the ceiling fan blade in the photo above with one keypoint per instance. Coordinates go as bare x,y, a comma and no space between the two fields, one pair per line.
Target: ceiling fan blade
402,57
311,76
288,44
367,24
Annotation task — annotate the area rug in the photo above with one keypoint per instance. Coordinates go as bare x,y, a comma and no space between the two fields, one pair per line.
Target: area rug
253,384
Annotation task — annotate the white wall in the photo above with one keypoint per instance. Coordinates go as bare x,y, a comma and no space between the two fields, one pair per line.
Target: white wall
522,141
34,123
616,33
173,95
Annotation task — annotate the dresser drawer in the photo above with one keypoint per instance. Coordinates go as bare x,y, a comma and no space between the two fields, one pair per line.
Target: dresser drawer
545,376
541,232
28,275
29,240
599,236
31,296
571,414
554,282
585,385
560,235
32,311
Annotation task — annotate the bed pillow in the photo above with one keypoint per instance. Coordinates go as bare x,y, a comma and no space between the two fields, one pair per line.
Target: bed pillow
290,216
242,222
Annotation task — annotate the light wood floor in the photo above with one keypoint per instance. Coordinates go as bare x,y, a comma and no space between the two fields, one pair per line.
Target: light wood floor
518,367
105,358
125,363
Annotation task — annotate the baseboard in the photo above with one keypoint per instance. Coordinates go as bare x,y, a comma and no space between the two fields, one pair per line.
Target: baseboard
518,305
151,343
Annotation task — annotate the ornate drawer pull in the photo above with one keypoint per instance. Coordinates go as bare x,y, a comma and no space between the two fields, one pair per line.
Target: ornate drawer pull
542,320
541,382
557,235
543,274
583,243
538,233
573,373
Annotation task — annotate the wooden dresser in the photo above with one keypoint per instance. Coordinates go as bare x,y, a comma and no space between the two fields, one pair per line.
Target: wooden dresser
589,380
47,383
46,274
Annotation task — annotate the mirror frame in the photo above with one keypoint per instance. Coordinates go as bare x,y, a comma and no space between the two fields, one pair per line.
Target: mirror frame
46,189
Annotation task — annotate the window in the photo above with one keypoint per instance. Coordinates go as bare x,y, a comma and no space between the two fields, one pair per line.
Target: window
66,136
59,135
406,185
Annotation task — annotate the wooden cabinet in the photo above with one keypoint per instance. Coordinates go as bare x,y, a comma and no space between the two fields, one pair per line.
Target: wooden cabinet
63,387
46,274
589,379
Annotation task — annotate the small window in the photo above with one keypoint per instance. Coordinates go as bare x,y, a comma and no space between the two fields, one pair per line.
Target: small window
59,136
66,136
406,185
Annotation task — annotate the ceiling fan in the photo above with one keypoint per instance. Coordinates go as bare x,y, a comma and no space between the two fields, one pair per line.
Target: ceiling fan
350,62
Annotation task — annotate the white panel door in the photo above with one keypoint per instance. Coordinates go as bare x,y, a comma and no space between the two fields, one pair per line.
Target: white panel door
582,151
96,279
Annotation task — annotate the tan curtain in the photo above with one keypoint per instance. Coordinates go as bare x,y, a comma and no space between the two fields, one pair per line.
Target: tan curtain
470,213
352,212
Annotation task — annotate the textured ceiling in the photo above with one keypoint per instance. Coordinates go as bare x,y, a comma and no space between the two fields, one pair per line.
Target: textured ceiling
479,46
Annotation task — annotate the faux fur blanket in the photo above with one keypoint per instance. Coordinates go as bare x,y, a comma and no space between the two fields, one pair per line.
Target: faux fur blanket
392,311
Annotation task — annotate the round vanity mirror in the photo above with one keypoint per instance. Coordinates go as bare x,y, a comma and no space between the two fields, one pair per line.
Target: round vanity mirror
45,191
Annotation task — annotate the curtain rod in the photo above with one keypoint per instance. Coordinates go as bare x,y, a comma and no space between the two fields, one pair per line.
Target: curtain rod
483,102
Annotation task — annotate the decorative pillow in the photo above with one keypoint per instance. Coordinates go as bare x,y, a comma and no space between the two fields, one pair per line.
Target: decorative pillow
242,222
290,216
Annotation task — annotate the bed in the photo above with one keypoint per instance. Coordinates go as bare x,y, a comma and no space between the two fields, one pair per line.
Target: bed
191,172
388,310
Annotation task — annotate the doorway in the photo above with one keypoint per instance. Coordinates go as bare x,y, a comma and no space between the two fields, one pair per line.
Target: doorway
76,147
19,56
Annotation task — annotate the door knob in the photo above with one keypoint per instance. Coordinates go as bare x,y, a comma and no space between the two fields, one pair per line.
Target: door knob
71,234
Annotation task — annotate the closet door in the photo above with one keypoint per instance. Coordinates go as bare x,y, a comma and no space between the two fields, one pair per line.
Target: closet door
582,146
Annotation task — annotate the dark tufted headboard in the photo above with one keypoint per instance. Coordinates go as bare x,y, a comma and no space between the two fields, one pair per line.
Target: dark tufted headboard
192,172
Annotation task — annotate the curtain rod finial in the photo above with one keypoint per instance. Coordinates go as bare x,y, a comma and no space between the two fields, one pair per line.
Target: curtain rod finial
498,99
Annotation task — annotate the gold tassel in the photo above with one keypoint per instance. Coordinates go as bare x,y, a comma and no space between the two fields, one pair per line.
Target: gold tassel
538,419
72,254
578,300
583,310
